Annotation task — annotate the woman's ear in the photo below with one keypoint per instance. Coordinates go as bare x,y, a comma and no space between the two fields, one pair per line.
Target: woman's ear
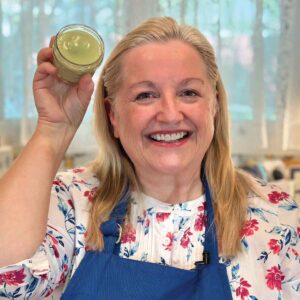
111,115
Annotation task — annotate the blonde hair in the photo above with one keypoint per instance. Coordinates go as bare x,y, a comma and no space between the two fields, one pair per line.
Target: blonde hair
229,187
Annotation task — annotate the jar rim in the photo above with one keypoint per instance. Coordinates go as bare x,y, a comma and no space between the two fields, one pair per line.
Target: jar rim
91,31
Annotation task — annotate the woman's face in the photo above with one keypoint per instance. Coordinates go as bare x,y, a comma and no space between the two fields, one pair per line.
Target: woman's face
164,109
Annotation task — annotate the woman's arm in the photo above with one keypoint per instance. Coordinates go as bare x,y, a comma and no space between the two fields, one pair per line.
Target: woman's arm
25,188
46,271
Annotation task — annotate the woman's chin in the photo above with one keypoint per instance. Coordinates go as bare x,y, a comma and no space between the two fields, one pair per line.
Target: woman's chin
172,169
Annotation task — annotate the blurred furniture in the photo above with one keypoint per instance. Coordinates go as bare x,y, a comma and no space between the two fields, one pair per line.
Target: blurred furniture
6,158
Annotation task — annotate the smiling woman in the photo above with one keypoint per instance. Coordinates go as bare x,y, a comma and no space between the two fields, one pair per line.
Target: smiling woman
163,114
161,213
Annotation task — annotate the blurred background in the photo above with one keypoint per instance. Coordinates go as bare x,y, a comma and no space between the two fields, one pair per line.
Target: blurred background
257,48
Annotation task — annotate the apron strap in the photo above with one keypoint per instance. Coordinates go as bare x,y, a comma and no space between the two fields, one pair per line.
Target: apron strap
210,244
111,229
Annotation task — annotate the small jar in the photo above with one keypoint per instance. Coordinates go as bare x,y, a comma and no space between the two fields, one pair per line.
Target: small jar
77,50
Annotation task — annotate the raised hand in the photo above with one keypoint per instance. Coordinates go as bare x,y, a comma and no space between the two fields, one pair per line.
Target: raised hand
58,103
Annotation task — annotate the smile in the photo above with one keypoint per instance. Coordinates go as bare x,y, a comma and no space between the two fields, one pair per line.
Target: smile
169,137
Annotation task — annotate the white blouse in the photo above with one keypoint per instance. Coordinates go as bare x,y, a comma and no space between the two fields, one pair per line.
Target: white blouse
171,234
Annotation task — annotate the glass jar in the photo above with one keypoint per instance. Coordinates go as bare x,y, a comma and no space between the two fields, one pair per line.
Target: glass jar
77,50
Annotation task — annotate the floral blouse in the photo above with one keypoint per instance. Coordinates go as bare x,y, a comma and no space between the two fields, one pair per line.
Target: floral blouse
171,234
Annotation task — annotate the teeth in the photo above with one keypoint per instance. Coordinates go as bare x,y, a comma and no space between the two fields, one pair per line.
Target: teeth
169,137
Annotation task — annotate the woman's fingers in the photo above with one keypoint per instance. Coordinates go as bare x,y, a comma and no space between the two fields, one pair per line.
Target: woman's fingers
46,68
45,54
43,71
85,88
51,41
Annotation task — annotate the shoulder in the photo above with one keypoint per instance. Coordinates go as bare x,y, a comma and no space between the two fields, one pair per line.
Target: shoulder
79,176
75,184
273,215
75,179
270,243
274,200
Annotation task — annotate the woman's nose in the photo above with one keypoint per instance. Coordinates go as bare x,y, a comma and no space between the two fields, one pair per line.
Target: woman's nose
170,110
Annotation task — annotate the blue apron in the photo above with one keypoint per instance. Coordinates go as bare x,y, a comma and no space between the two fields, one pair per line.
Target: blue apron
106,275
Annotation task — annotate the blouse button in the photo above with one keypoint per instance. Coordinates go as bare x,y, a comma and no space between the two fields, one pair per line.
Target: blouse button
166,241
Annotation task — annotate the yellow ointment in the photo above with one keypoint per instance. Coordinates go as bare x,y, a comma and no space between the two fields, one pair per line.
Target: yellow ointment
79,47
77,50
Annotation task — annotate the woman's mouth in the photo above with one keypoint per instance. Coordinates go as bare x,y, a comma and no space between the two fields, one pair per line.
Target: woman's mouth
169,137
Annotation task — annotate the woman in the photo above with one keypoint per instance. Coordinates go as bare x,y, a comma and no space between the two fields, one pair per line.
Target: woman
177,220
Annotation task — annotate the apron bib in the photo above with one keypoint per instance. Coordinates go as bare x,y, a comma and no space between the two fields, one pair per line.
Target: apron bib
107,276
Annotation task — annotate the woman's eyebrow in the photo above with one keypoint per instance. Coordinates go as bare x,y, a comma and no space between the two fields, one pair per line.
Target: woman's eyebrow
150,84
147,83
188,80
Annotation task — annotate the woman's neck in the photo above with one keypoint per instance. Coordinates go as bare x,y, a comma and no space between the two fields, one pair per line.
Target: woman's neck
171,189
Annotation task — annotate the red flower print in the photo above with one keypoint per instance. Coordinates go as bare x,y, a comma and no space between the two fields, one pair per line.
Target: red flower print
274,278
200,222
185,240
70,202
54,243
276,197
170,237
44,276
49,292
58,182
160,217
147,222
54,240
275,246
128,234
80,181
201,207
295,252
90,194
66,268
298,231
56,253
249,227
62,278
78,170
242,290
12,277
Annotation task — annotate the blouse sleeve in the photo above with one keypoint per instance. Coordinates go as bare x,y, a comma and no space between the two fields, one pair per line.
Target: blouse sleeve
39,275
290,217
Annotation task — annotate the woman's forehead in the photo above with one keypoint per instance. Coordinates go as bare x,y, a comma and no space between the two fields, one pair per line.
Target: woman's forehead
154,50
159,60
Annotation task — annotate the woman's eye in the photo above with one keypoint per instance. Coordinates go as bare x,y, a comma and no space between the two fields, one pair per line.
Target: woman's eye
189,93
145,96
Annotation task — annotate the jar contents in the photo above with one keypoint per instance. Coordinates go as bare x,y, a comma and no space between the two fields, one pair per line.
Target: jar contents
77,50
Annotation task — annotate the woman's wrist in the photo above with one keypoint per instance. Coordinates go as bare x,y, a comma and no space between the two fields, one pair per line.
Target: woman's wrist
54,140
